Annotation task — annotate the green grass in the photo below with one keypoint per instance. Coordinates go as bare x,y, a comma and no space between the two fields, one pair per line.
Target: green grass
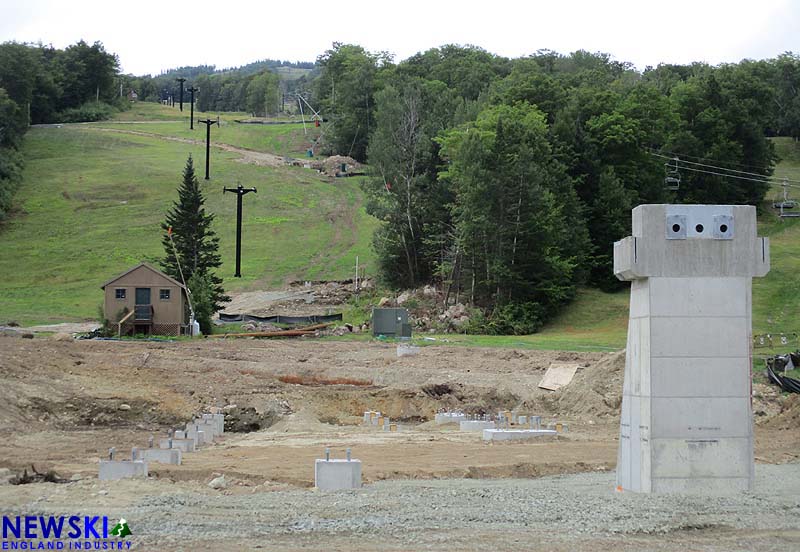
776,297
292,139
284,139
92,202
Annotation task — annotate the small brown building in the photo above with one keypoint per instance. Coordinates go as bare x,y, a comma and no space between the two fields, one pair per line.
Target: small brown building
144,300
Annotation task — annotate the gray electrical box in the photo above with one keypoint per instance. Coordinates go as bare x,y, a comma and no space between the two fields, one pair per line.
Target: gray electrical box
391,322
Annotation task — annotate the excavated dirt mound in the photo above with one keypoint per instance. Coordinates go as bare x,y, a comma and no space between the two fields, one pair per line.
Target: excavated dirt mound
332,166
788,415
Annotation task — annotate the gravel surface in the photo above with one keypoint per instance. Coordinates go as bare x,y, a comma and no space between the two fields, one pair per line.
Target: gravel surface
570,512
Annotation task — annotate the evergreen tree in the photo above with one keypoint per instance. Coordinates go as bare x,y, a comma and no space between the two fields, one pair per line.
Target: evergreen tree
195,242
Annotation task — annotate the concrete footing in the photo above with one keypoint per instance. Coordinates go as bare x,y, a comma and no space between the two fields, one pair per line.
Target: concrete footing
183,445
449,418
373,418
404,349
476,425
196,432
162,456
218,420
516,434
330,475
209,426
111,470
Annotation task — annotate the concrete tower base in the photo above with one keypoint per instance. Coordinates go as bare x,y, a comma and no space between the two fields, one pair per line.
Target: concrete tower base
686,423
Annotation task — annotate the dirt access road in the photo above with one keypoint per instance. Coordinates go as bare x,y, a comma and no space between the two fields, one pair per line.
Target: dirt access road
63,404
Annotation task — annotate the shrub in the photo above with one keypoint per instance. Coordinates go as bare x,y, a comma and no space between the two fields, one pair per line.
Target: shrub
88,112
510,319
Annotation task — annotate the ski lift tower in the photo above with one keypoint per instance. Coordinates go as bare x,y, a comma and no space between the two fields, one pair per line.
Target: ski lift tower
687,421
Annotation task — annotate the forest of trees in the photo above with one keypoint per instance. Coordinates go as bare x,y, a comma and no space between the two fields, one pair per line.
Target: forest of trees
40,84
504,181
507,181
253,88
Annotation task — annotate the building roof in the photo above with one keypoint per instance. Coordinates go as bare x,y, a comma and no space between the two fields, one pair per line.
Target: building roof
148,266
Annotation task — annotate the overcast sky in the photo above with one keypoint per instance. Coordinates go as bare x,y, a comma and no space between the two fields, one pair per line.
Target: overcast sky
150,37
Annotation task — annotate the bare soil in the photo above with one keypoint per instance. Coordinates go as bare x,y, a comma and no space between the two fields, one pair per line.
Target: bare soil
64,403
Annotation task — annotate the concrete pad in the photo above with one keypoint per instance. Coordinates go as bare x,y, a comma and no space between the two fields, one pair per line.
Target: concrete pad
183,445
449,418
331,475
516,434
218,421
162,456
407,350
111,470
476,425
209,426
193,431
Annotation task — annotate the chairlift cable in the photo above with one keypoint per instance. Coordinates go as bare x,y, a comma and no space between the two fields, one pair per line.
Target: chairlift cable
673,154
710,166
761,181
759,177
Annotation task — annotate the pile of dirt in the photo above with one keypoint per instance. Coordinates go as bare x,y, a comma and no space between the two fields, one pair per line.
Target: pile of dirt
332,166
596,390
301,422
788,416
246,419
84,412
330,292
767,401
260,327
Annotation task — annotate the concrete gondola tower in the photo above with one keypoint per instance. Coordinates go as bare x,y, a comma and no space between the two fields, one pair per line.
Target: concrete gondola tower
686,422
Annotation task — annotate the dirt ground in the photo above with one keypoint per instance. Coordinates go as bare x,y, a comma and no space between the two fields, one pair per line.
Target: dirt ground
64,403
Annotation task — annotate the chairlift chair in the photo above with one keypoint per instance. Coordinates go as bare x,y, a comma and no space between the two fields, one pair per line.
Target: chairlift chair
672,180
785,203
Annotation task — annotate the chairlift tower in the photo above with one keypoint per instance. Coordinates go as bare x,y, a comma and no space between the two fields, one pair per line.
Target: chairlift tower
208,123
239,191
181,80
192,90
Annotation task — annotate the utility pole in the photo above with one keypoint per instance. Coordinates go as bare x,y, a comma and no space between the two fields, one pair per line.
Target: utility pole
208,123
239,191
192,90
181,80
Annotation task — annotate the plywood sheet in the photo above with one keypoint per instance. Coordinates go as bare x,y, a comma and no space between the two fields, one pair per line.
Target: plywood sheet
558,375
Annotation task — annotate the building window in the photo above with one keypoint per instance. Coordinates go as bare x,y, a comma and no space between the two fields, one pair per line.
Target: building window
163,294
120,293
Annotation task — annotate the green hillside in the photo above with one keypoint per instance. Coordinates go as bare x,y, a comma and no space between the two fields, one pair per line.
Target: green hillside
94,196
93,200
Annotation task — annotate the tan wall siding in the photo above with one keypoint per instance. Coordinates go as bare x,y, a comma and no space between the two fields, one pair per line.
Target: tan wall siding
164,312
